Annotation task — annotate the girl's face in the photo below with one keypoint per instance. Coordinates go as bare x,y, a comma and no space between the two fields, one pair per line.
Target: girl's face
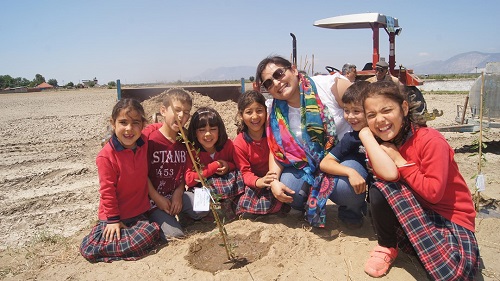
177,110
385,116
284,86
207,136
355,116
254,116
127,127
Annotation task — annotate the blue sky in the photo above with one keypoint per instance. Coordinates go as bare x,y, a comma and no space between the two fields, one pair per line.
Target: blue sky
160,41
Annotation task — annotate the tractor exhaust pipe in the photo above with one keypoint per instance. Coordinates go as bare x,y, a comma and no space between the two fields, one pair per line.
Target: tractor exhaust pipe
294,52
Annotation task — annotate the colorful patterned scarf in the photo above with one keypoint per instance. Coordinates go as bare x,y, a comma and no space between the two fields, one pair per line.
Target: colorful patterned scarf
318,136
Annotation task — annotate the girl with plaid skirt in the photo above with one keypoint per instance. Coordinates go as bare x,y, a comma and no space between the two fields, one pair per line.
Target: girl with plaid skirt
214,152
251,155
123,231
419,202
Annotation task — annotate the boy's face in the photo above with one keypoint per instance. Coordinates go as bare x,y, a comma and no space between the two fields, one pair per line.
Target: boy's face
355,116
177,110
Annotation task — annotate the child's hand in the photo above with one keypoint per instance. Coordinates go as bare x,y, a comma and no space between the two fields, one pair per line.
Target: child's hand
357,182
393,152
365,133
223,167
164,204
266,180
176,206
111,229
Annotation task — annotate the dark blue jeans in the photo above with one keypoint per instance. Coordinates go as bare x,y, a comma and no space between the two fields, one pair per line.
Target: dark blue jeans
352,206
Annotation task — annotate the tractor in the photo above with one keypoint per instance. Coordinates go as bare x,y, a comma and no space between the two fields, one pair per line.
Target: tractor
375,22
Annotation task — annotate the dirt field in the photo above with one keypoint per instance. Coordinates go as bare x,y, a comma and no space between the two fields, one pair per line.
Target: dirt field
49,197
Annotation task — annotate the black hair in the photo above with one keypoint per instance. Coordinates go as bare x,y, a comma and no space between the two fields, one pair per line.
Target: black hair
129,105
207,116
271,59
246,99
354,93
397,94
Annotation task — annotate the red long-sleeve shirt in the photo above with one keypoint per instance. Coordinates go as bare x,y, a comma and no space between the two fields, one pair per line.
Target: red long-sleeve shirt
435,177
251,158
210,164
123,178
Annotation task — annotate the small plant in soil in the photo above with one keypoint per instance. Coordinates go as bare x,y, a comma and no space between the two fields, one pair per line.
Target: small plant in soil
213,206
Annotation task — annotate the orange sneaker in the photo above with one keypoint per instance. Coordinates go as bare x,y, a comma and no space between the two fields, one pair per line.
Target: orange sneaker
380,260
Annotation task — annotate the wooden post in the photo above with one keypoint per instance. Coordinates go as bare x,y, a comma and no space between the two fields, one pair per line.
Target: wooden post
478,193
465,109
481,122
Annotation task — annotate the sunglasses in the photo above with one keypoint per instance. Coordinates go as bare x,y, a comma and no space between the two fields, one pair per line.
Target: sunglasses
378,69
277,75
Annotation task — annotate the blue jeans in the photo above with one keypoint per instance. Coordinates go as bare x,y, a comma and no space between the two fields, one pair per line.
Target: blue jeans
352,206
296,184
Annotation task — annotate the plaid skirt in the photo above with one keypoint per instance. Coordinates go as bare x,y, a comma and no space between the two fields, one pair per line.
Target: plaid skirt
447,251
229,185
258,201
136,240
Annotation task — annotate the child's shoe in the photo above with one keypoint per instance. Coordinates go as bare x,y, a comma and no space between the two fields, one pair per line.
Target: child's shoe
380,260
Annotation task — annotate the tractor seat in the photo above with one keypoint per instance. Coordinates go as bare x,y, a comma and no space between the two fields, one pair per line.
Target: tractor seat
368,66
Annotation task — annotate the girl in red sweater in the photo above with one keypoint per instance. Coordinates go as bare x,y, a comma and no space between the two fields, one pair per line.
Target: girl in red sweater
215,152
251,155
420,201
123,231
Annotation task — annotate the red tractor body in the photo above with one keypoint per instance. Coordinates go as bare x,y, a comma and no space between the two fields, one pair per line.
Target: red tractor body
375,22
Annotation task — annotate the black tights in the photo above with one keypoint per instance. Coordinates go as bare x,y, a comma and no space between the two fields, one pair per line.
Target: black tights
383,219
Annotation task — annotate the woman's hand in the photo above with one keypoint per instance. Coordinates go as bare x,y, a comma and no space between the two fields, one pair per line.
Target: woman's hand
111,229
281,191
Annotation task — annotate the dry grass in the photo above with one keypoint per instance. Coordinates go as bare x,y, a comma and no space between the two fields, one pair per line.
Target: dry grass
46,249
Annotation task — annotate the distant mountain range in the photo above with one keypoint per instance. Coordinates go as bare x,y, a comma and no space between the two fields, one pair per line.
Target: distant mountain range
462,63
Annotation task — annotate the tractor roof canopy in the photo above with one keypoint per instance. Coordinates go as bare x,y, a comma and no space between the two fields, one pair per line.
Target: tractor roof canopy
357,21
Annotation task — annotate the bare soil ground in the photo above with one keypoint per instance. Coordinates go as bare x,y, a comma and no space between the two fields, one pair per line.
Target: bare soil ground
49,197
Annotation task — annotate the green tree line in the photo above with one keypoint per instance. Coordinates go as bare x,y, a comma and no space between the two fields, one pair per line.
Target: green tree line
7,81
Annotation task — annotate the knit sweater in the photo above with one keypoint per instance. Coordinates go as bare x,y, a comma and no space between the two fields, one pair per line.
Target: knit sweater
435,177
123,176
251,158
209,163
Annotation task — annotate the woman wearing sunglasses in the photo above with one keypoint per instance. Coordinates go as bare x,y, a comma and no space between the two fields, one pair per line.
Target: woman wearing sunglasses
301,130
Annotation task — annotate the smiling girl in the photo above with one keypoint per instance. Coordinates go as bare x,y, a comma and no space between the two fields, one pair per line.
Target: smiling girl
252,157
123,231
420,201
208,134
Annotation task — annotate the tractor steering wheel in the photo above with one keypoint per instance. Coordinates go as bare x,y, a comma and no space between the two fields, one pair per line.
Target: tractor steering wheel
331,69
